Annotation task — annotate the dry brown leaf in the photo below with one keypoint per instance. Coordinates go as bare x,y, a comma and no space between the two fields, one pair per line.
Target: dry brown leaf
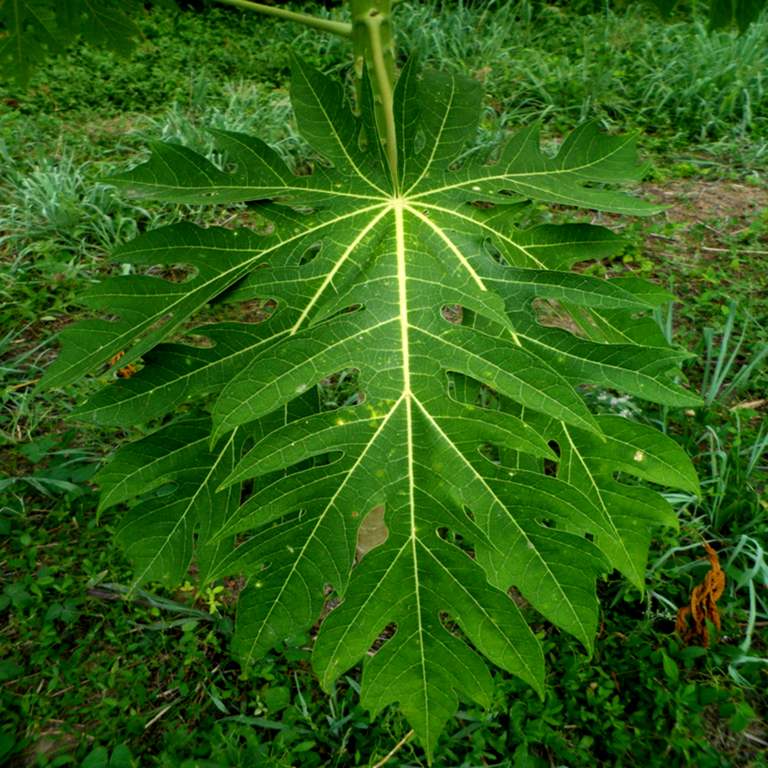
126,371
703,606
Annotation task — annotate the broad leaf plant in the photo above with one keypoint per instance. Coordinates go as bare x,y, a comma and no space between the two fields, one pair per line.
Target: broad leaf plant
400,260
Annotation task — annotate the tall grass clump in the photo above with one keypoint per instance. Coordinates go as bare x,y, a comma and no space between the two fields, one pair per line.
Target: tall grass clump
57,224
246,108
728,440
57,199
624,67
712,82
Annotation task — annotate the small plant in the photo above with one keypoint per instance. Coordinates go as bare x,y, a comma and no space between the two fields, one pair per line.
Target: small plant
399,260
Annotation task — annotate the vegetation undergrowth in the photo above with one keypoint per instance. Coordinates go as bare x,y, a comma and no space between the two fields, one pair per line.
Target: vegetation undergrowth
73,690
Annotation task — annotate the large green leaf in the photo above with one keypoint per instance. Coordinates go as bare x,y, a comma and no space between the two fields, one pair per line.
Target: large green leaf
27,31
361,275
32,29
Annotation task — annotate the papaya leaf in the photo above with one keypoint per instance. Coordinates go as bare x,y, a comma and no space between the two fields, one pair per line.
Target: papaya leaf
431,290
101,23
26,31
30,30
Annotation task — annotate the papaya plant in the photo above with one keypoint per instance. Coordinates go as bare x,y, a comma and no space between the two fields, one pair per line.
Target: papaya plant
469,448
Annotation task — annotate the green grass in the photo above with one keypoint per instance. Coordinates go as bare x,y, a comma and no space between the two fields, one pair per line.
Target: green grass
88,676
88,664
87,672
621,69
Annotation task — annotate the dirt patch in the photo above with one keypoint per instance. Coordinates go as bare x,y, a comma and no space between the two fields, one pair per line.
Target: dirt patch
745,748
711,244
714,215
52,743
696,200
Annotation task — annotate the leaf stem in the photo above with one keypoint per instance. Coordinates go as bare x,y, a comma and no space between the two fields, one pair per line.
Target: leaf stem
385,92
325,25
399,745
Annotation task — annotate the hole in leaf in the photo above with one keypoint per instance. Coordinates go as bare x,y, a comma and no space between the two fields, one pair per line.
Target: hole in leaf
517,598
311,253
466,390
331,602
551,314
458,540
488,398
341,390
193,339
255,310
130,366
261,226
494,252
245,216
550,465
387,634
237,307
419,140
246,489
449,624
323,460
490,452
453,313
160,323
173,273
372,531
305,167
550,147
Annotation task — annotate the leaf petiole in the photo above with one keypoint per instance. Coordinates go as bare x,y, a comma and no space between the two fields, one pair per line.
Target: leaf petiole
385,92
325,25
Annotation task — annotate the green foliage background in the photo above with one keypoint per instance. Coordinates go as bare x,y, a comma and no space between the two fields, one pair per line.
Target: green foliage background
32,30
669,700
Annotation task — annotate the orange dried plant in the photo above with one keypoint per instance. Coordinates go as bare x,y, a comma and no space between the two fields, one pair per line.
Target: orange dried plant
703,605
126,371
